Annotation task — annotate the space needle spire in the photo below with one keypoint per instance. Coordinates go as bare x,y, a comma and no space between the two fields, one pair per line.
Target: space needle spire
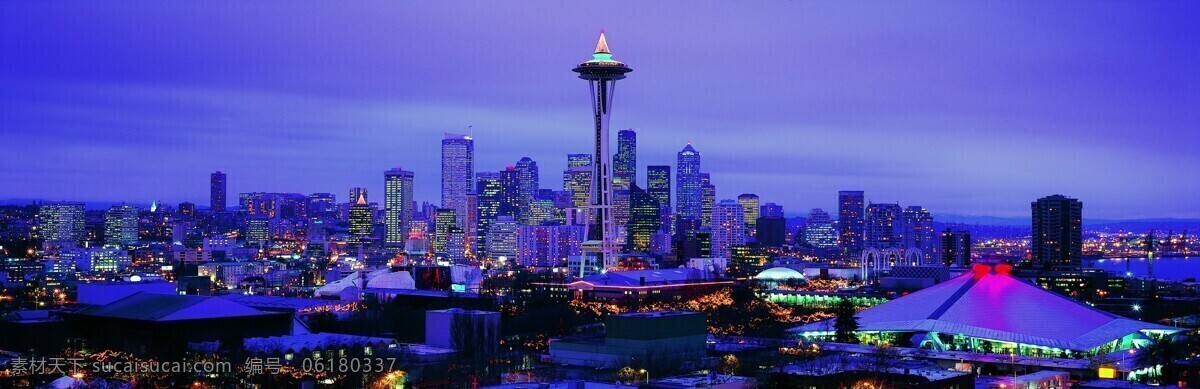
599,249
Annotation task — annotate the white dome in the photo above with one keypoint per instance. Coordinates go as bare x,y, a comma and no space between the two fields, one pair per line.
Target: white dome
394,280
779,274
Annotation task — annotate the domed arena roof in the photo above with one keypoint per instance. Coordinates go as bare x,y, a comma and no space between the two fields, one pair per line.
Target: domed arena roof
779,274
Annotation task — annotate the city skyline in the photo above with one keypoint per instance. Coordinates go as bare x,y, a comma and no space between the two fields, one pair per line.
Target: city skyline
988,139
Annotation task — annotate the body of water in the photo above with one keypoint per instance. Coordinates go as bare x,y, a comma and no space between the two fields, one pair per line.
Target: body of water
1169,268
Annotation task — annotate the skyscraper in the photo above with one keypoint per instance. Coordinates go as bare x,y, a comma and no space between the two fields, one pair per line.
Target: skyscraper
770,231
121,226
488,196
61,224
527,187
458,174
688,192
749,202
216,192
882,225
602,73
502,240
956,247
625,162
577,179
362,217
850,222
917,232
658,184
442,225
728,229
510,193
1057,241
818,231
644,218
398,205
708,200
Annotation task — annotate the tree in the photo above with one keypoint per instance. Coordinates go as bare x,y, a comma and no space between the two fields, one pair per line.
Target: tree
845,322
729,365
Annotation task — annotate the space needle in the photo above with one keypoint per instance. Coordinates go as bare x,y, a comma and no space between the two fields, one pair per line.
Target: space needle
602,73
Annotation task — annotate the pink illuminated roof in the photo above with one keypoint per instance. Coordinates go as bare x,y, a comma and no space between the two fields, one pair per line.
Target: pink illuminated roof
994,305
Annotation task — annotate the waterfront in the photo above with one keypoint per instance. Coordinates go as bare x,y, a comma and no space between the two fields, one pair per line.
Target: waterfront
1169,268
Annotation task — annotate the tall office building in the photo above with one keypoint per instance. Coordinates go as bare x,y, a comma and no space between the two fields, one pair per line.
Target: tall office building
510,193
883,221
688,191
487,203
625,161
61,224
577,179
850,222
527,187
917,232
771,210
601,73
728,228
956,247
443,223
658,184
362,217
749,202
397,205
216,191
458,175
1057,240
121,226
708,200
819,231
502,240
644,218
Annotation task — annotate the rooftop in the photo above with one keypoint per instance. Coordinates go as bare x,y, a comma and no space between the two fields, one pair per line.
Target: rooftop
992,304
166,307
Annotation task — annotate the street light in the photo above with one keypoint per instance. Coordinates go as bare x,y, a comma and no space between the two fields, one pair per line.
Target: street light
1137,307
647,373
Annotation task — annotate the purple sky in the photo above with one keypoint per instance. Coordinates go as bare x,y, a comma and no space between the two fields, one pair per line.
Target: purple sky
963,107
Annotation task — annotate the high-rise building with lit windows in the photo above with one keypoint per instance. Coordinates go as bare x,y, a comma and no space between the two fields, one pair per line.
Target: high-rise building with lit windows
61,224
883,221
688,190
577,180
625,161
217,191
443,224
502,240
819,231
1057,241
121,226
917,233
728,229
398,205
458,175
488,196
644,219
357,192
956,247
527,187
850,222
362,217
708,200
749,202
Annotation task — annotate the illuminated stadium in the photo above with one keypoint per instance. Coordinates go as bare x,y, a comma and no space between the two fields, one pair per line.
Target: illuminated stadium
990,311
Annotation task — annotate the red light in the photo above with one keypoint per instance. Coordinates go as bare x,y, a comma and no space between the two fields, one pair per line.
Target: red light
980,269
1003,268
